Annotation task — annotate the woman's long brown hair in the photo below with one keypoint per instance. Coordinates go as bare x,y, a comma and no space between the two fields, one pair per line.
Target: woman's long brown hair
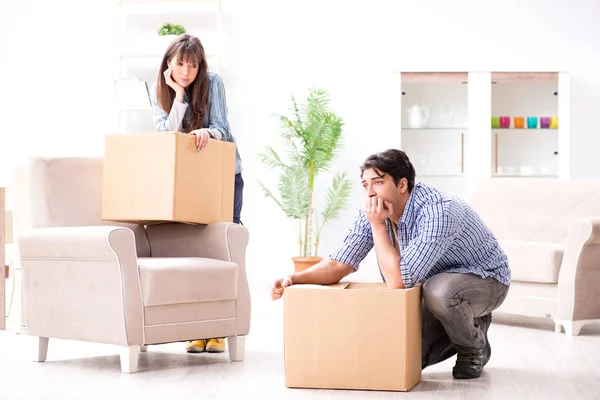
187,48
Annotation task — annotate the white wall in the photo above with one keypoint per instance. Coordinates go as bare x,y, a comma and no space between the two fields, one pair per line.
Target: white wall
281,47
56,73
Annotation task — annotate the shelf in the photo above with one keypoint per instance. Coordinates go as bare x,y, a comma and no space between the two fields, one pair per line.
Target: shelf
524,176
169,2
434,77
435,129
495,130
152,55
503,77
167,8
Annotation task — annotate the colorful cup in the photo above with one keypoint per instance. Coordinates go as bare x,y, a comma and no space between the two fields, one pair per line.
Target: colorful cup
519,122
554,122
504,122
531,122
544,122
495,122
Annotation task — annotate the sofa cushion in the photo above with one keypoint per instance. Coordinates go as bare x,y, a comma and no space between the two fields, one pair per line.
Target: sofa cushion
534,210
176,280
533,261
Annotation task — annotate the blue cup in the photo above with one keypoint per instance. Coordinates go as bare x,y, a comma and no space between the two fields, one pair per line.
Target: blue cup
532,122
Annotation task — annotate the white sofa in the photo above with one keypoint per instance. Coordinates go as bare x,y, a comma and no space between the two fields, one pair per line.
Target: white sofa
550,230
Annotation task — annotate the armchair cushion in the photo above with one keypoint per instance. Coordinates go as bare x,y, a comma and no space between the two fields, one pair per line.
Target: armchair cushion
176,280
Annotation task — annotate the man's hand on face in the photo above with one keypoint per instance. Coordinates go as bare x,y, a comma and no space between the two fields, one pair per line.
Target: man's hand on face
378,210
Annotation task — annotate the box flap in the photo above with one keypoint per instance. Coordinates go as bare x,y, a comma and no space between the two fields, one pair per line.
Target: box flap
339,285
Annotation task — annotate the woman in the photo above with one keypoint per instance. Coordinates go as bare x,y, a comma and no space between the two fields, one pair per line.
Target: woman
190,99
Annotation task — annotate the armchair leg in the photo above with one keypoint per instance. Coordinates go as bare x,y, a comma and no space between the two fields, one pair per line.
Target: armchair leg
40,349
237,347
572,328
129,359
143,348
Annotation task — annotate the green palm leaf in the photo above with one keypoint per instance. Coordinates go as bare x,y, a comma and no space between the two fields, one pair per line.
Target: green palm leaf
337,197
311,137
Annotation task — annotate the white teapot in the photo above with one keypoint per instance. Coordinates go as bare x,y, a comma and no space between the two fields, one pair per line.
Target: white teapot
417,116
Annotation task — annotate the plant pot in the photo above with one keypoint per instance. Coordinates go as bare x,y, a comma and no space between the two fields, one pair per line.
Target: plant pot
302,263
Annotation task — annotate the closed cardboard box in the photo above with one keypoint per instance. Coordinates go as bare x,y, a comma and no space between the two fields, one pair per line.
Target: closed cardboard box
162,177
356,335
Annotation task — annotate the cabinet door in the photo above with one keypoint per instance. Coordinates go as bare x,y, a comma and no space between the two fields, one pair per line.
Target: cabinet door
564,119
434,127
2,264
524,125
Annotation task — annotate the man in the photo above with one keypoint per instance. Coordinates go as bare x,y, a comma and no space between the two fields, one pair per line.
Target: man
421,235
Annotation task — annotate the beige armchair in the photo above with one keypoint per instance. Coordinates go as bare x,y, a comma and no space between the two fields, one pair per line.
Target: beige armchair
122,284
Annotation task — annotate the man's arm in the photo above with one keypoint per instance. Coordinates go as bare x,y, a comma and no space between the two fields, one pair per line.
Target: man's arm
388,257
341,262
325,272
345,259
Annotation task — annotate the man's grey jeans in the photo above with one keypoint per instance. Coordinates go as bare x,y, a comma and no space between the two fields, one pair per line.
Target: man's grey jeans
455,307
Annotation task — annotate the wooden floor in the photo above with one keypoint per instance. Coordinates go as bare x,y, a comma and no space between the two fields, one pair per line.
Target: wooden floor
529,361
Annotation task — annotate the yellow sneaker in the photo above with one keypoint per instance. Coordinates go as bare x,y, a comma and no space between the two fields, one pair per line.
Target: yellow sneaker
216,345
195,346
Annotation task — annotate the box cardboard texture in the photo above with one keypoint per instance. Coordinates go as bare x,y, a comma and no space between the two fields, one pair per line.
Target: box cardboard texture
355,335
162,177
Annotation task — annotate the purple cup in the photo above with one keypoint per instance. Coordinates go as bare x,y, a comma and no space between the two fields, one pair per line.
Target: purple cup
504,122
544,122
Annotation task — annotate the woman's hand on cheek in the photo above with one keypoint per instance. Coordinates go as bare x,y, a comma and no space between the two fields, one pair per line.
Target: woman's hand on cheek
179,90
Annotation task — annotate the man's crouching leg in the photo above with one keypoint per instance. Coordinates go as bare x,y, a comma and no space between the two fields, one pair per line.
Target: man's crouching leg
463,304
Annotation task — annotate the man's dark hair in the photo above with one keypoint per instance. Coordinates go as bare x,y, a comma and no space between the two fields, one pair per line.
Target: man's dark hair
393,162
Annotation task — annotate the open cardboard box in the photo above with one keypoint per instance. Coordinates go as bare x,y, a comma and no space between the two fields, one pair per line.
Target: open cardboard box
357,335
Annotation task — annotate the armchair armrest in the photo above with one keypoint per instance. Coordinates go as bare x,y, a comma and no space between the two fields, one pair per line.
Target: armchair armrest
222,241
82,283
579,276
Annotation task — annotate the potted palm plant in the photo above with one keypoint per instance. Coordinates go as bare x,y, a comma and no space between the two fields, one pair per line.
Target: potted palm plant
311,137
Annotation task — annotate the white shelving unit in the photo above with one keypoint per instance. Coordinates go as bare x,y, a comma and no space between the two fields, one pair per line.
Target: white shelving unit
439,148
457,146
139,49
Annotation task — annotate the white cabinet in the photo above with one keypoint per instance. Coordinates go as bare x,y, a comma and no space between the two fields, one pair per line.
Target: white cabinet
435,128
448,126
139,51
524,124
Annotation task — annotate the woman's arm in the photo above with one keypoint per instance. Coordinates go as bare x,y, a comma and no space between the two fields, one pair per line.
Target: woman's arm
218,124
172,121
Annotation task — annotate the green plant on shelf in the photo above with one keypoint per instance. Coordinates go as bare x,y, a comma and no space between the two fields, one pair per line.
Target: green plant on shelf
168,28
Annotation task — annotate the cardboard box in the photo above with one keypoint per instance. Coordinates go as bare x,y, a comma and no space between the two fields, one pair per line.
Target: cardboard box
352,336
160,177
